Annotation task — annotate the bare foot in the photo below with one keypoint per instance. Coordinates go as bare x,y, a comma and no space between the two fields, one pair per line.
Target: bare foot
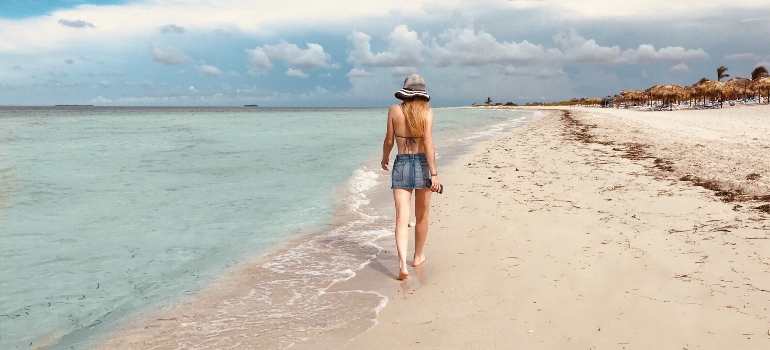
403,273
418,260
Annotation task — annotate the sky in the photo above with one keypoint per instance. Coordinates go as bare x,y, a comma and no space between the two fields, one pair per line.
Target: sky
357,53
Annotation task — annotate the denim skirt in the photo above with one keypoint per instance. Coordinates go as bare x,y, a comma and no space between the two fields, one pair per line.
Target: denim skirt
411,171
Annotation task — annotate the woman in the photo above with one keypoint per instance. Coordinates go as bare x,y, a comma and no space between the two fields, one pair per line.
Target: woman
410,126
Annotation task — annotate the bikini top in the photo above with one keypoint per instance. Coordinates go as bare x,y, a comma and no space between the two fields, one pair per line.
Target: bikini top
409,141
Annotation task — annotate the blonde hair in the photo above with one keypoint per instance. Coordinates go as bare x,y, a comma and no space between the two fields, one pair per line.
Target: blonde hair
415,111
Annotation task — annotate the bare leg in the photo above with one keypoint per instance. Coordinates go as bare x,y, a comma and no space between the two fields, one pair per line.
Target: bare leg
403,199
421,210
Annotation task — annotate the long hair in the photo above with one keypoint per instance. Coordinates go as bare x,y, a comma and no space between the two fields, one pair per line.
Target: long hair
415,111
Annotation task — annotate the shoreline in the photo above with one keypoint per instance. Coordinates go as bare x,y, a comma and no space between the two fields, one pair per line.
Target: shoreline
335,304
567,233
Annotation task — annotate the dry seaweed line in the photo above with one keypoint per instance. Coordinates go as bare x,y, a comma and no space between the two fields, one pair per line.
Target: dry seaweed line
578,131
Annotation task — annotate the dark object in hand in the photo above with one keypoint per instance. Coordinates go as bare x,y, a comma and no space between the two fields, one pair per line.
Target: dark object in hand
440,188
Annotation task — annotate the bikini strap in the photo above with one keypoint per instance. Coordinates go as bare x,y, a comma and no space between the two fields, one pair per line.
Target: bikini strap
409,139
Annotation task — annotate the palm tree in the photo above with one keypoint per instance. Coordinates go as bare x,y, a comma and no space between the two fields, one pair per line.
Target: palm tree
759,72
488,101
721,73
702,80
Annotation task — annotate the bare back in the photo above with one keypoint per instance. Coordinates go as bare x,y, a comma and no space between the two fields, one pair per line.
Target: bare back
405,142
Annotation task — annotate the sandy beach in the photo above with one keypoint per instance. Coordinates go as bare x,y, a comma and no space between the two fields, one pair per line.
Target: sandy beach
585,229
597,229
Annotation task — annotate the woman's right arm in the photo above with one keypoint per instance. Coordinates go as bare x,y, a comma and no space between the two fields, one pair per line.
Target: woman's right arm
430,152
387,144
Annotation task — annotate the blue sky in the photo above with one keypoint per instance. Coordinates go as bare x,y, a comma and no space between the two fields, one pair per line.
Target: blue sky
352,53
31,8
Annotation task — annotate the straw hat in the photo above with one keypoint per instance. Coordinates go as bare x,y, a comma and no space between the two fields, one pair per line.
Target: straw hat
414,87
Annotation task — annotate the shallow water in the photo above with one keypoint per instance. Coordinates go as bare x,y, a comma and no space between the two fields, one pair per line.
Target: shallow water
106,211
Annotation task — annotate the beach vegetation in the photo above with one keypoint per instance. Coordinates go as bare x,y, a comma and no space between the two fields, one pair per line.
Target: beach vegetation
560,103
722,73
704,94
759,72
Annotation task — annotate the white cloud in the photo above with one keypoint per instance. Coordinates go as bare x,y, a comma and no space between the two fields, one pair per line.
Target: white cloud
313,57
167,55
100,99
682,67
467,47
76,24
539,73
403,71
514,71
358,73
546,73
741,56
209,71
647,53
134,20
593,9
580,50
296,73
404,49
755,19
171,29
258,61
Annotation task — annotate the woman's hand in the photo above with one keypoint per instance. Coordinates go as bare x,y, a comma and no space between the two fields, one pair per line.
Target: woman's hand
435,184
384,163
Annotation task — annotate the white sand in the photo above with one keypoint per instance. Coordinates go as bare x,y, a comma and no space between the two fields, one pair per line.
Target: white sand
548,242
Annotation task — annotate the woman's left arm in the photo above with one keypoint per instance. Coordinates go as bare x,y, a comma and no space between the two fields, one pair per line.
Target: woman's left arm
430,151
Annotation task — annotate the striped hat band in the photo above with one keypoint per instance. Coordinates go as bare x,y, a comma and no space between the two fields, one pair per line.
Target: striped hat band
405,94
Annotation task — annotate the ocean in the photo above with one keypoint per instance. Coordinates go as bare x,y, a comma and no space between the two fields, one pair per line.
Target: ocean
106,212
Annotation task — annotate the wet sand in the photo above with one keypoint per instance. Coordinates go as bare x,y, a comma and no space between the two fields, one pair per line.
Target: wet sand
593,228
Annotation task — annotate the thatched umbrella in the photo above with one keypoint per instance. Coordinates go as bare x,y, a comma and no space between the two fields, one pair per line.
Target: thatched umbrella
739,86
713,88
640,94
650,92
760,85
694,91
636,95
672,91
667,92
623,96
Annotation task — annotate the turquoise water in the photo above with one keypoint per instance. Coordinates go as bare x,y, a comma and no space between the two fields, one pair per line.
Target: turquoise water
104,211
